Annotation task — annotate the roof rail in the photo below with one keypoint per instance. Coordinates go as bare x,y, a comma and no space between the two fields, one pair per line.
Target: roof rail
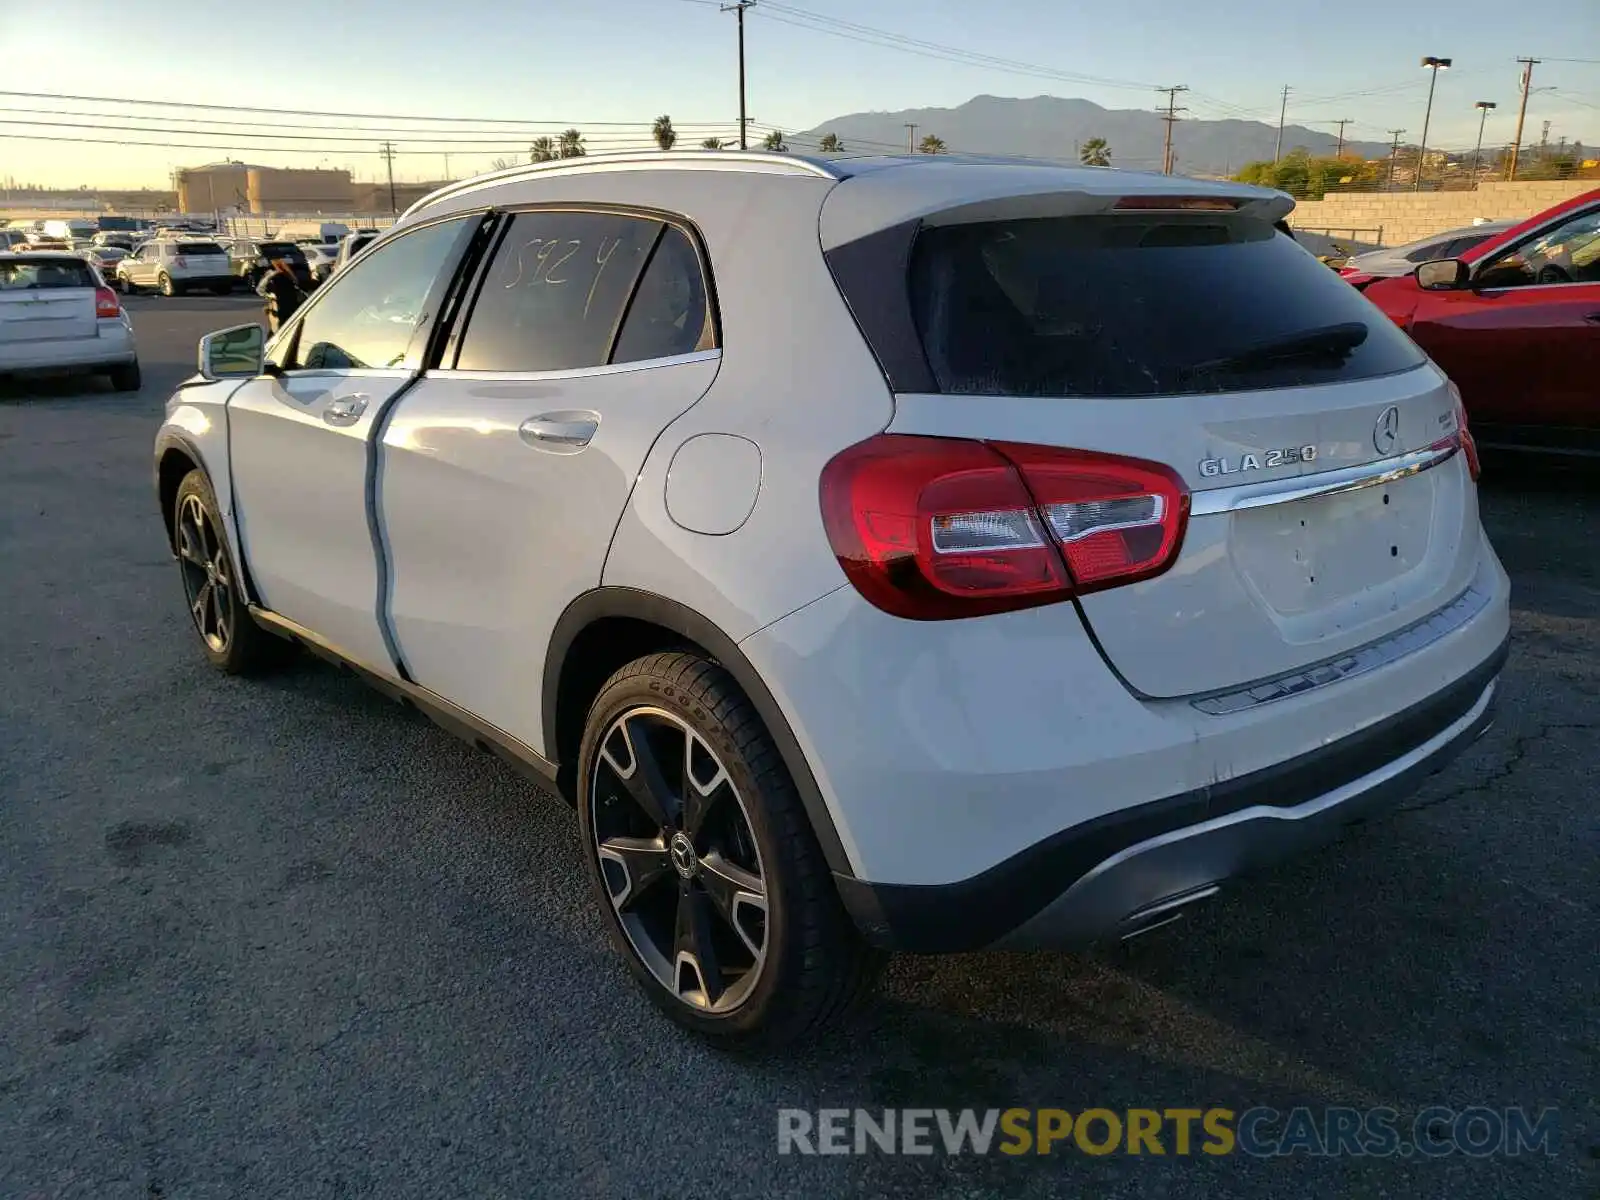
631,160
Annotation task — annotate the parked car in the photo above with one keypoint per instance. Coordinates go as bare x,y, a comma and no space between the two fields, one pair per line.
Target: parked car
253,259
1361,269
882,586
116,237
174,266
104,258
56,313
353,244
321,258
1515,321
12,238
44,242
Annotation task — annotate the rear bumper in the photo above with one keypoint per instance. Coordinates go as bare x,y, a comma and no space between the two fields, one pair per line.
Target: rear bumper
1130,870
113,346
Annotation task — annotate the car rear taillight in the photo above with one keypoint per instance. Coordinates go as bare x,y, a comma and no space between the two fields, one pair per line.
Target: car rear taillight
939,528
1469,445
106,303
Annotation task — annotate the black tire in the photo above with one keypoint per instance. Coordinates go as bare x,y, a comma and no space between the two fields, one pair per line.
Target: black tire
167,287
125,377
814,967
245,648
126,285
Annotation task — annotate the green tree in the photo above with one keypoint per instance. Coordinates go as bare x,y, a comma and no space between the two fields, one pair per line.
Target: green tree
1096,152
665,135
830,144
570,145
1308,178
932,144
542,150
774,142
713,144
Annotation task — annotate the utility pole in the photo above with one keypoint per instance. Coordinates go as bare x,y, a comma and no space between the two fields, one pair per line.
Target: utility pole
1544,142
744,119
447,168
911,138
1394,155
1283,111
1522,112
1338,151
388,158
1170,116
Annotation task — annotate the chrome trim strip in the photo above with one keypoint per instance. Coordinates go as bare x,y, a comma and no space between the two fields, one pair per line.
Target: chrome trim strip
1360,661
1324,483
640,364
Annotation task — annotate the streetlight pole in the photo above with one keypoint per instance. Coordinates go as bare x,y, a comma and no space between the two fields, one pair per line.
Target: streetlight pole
1435,65
1483,107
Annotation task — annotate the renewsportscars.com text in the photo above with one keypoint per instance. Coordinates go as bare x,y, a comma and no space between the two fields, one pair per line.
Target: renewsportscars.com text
1434,1132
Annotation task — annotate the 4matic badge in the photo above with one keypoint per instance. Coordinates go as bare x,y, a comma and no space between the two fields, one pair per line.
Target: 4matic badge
1257,460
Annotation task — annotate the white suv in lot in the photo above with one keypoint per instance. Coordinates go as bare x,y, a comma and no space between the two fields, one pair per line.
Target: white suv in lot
902,553
173,266
57,314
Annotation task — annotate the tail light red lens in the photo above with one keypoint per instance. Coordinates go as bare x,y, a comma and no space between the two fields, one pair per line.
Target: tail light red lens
106,303
940,528
1469,445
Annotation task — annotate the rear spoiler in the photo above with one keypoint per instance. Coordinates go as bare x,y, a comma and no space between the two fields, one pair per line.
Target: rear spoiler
961,194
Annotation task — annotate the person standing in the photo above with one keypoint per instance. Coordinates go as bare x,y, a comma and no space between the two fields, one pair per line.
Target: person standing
281,292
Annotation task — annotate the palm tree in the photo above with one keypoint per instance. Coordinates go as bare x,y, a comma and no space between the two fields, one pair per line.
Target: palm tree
932,144
774,142
830,144
713,144
1096,152
503,164
570,145
665,135
542,150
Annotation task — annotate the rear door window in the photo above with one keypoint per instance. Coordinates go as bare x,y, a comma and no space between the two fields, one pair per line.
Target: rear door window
553,295
1139,305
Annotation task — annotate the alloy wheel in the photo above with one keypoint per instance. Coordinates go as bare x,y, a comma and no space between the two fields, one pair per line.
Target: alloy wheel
207,582
678,859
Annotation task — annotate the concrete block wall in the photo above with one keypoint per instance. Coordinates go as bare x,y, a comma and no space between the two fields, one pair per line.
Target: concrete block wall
1407,216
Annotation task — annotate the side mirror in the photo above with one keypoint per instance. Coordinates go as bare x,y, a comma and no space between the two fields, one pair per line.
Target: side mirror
1443,275
234,353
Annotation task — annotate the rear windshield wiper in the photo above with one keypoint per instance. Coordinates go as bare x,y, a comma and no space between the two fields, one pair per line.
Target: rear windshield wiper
1312,343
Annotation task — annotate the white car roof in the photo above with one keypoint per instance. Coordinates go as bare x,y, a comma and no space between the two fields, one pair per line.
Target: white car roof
880,191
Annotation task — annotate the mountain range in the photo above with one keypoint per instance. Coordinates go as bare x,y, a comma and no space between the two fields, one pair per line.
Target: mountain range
1052,127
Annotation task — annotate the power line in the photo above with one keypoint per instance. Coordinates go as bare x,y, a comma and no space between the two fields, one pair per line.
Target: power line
310,112
854,31
418,145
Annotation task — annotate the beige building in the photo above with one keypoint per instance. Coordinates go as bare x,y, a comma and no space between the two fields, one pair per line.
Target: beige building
244,188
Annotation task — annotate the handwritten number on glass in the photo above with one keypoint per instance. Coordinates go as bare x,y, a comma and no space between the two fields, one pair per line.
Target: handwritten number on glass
546,261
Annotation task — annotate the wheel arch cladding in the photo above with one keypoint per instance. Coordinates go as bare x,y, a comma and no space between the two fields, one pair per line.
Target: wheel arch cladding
605,629
176,461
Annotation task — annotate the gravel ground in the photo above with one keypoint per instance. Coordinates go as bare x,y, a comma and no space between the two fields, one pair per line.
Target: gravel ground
281,938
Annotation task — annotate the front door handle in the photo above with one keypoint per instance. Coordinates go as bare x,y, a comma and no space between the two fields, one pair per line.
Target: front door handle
345,410
566,431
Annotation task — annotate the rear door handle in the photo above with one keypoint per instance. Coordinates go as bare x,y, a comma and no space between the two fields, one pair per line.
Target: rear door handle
565,432
345,410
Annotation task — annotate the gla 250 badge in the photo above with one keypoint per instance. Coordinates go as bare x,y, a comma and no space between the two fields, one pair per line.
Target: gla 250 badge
1257,461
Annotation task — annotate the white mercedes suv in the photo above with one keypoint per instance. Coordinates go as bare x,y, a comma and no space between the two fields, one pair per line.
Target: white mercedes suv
901,553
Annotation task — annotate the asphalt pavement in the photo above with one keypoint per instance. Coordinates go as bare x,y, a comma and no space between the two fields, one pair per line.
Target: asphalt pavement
282,938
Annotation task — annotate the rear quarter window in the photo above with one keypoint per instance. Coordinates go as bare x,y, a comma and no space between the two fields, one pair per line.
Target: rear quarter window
1138,306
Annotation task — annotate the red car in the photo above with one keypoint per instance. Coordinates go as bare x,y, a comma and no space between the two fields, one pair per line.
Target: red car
1515,322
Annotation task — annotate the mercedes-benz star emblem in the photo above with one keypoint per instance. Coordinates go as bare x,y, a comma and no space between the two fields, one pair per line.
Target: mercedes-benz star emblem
1386,433
684,860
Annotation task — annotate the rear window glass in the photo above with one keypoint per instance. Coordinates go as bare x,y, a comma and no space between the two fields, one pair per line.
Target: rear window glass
281,250
26,275
198,248
1139,306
